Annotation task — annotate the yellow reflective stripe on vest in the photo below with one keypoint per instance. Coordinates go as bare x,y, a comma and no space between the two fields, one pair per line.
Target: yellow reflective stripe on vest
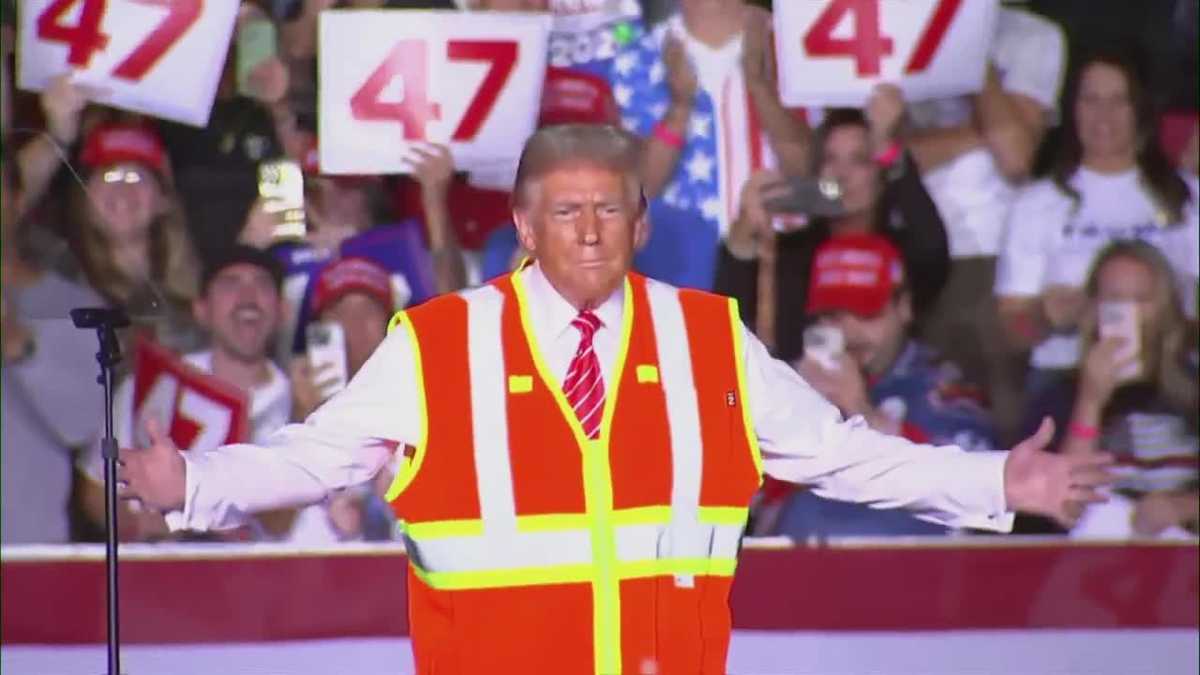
408,470
739,350
597,484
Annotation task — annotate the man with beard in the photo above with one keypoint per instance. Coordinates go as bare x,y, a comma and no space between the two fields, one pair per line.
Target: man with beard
240,309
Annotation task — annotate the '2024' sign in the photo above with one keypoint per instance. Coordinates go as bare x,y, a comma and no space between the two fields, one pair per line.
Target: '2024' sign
393,78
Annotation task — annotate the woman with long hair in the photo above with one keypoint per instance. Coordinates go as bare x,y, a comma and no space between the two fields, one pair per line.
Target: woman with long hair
1109,182
126,231
882,193
1134,395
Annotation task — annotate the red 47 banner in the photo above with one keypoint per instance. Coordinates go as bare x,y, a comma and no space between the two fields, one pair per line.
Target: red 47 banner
834,52
198,410
390,78
159,57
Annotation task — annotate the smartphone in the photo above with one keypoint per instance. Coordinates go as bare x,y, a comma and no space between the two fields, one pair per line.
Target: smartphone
1119,318
256,42
819,197
825,344
281,186
326,342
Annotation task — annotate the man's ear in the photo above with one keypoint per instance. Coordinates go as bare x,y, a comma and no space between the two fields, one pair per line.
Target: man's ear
524,229
641,229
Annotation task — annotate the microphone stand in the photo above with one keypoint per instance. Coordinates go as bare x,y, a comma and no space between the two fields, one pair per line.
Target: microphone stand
105,321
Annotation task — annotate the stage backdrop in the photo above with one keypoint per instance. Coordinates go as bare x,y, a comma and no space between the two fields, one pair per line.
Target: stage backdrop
977,605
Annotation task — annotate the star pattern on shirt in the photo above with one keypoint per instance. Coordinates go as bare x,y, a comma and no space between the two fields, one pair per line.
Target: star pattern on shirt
700,167
700,126
657,72
711,209
625,63
623,94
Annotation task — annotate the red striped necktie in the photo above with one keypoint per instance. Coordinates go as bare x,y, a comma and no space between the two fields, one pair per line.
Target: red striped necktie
584,386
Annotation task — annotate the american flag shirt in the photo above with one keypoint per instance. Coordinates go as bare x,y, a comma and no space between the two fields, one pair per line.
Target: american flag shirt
723,146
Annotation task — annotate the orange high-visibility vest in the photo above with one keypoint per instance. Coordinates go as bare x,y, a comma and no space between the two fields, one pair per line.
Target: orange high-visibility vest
535,550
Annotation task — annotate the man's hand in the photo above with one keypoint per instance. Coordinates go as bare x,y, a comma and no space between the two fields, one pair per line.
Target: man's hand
1058,486
157,475
309,386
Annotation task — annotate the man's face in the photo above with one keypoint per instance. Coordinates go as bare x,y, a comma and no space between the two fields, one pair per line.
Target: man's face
875,342
582,223
364,322
241,310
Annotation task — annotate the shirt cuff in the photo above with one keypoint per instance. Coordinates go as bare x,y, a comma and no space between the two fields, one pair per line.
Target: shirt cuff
193,516
987,481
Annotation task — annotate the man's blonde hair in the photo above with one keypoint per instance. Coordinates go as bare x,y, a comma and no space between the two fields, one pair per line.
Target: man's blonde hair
604,146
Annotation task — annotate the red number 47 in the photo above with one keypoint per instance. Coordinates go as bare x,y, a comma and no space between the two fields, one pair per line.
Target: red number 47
85,37
408,61
869,45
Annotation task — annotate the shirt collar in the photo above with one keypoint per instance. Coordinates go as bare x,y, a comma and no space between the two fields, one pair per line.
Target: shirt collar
552,314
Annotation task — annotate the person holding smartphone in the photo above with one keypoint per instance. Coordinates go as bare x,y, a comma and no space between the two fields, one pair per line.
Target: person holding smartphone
1135,395
880,191
861,355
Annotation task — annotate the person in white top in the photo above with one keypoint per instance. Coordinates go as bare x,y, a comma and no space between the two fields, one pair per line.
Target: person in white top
240,308
581,217
974,152
1110,181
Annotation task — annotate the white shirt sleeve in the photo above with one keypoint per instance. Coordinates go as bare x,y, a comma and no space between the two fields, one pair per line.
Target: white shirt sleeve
1033,222
804,440
344,443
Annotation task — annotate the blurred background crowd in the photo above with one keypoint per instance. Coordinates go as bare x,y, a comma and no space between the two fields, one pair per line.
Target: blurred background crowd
952,270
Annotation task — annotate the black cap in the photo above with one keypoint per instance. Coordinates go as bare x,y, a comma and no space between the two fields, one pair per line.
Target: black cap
239,254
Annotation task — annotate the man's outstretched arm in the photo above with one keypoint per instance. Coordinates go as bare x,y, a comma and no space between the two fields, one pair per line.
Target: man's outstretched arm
805,440
345,442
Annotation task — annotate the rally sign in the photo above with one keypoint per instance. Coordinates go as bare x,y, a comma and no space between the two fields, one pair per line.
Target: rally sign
159,57
590,30
834,52
196,409
392,78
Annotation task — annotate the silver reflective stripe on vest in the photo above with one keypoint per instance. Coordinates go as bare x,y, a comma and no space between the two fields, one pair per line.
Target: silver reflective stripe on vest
489,552
677,540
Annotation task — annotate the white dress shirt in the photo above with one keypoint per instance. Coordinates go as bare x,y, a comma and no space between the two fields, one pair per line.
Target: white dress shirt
803,437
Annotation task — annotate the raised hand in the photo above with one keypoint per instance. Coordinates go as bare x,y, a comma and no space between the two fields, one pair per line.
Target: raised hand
63,102
884,111
157,475
1054,485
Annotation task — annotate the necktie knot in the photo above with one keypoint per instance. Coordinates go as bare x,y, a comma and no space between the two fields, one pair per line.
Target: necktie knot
587,323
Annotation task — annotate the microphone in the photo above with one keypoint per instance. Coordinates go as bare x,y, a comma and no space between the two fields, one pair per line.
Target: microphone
99,317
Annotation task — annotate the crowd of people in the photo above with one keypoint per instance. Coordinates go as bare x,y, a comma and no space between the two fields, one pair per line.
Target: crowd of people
1029,250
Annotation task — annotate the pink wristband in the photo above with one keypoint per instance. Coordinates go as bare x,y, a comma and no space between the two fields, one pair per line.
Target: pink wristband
665,134
1083,431
888,155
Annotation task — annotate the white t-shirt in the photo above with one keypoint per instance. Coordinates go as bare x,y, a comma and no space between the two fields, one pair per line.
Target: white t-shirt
1051,241
971,194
